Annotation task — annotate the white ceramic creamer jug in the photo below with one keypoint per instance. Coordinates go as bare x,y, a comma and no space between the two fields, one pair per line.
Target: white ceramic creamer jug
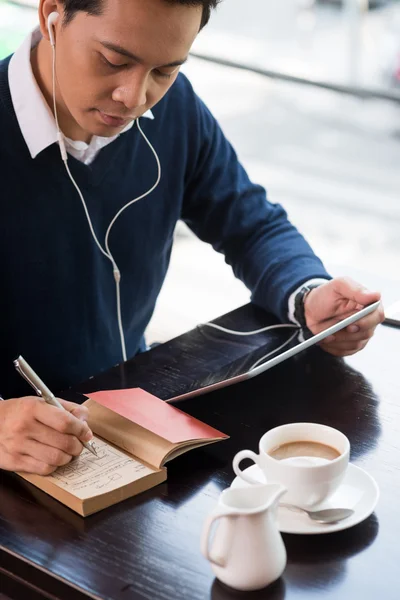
247,551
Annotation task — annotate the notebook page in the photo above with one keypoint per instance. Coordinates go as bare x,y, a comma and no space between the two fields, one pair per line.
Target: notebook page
88,476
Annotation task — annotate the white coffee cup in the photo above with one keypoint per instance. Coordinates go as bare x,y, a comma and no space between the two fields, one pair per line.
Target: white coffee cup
309,480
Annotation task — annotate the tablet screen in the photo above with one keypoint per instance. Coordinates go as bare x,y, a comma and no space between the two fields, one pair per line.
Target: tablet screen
246,371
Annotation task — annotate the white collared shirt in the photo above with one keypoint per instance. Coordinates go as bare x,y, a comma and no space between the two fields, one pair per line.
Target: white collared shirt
34,116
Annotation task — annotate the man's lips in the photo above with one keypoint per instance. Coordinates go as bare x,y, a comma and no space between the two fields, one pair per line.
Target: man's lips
113,121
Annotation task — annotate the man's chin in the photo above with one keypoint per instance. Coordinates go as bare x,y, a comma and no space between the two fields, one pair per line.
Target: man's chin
105,131
94,125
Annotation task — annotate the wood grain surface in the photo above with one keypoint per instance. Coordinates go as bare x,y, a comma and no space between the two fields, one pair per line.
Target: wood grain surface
148,547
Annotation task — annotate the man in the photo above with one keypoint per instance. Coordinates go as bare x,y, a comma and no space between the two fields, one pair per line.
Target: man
116,64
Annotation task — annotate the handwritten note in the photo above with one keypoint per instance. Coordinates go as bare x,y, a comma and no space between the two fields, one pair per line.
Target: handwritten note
88,475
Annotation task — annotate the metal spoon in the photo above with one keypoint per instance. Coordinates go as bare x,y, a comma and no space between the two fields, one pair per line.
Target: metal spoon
329,515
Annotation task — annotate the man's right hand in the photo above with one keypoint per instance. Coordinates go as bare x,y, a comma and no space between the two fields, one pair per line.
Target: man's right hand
36,437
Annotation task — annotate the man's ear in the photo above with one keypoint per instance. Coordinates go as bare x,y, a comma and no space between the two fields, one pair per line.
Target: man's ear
46,8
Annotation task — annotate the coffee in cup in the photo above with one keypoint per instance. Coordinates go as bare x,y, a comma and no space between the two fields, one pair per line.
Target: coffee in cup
309,459
304,449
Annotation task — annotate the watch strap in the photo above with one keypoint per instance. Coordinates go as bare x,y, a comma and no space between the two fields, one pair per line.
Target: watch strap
299,313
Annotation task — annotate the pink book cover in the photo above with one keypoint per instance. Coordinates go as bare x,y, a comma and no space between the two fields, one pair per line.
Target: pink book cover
155,415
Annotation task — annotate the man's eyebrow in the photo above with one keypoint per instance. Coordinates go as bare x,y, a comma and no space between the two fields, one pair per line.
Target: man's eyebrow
124,52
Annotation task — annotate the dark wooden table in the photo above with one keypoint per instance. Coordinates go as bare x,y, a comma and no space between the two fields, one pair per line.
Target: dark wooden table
148,547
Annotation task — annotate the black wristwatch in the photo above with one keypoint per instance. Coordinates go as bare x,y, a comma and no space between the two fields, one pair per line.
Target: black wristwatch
299,313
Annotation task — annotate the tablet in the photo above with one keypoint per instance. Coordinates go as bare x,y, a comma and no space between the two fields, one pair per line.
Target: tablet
281,357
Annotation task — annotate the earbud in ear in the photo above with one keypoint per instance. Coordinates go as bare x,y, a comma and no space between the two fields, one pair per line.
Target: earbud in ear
53,18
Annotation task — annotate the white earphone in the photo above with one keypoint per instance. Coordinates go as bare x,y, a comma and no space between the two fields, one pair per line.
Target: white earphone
52,19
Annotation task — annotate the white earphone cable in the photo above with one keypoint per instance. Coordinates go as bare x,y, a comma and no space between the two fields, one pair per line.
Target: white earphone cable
254,332
87,213
64,157
139,197
233,332
53,62
107,252
260,360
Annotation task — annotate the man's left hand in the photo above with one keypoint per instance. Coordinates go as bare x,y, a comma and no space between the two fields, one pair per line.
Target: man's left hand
334,301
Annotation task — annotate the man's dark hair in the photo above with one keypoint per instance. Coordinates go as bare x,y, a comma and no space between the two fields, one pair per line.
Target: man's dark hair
94,7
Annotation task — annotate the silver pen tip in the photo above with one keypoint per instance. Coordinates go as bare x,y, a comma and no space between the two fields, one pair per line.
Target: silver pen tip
93,447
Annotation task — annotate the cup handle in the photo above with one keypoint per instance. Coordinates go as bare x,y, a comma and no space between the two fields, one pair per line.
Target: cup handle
242,474
220,561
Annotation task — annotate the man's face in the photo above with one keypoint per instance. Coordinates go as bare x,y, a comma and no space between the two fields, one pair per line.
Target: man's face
112,68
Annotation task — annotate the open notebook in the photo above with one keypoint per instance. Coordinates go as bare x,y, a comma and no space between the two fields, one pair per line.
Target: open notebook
136,433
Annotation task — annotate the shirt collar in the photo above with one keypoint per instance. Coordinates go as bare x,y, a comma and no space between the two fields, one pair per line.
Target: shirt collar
34,116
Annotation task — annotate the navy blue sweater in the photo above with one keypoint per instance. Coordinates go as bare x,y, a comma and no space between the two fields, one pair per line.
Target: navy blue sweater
57,300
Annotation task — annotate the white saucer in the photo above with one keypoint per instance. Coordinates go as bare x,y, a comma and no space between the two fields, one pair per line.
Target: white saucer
358,491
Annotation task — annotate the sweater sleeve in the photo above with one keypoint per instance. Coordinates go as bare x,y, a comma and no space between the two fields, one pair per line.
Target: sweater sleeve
223,207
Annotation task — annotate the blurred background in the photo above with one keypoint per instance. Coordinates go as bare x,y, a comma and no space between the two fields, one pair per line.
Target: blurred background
311,102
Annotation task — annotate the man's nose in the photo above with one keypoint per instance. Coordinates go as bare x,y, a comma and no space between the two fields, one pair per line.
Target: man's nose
132,93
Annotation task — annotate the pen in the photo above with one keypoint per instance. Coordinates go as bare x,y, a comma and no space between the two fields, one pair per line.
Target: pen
42,390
